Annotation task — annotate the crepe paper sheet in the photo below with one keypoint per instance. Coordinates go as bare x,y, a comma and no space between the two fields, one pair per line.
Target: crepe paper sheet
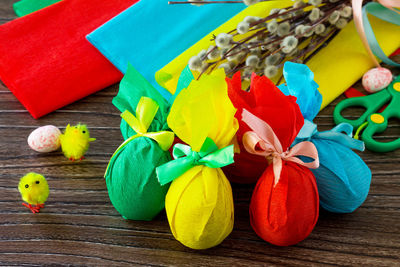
343,178
267,102
352,92
199,203
285,214
168,76
47,66
25,7
152,33
336,67
131,179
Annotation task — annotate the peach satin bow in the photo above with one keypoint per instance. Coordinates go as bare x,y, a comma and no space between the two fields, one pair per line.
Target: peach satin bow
263,141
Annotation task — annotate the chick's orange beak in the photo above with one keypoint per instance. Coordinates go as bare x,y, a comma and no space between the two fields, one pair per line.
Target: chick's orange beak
76,131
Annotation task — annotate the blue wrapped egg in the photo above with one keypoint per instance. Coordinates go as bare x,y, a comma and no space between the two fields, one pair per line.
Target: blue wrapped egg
343,178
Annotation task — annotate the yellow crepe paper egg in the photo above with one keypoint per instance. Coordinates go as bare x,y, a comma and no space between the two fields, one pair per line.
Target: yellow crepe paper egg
199,203
199,207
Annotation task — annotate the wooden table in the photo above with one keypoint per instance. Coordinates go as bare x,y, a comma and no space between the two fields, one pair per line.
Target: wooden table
79,225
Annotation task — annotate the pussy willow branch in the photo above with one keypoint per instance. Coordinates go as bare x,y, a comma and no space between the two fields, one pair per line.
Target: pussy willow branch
318,44
319,47
246,44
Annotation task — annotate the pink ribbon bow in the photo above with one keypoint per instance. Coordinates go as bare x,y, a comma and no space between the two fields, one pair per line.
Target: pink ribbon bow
270,146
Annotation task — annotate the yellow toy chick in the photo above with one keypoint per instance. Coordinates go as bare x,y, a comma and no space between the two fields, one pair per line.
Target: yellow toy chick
75,141
34,190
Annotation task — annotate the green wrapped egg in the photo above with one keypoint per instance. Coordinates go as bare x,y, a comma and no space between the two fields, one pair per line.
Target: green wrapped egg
132,182
131,179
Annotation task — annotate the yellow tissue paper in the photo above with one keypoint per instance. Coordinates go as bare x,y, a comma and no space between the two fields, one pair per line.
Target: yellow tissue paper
336,67
199,203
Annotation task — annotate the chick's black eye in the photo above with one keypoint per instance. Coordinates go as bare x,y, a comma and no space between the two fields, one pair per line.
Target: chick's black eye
26,186
37,182
83,131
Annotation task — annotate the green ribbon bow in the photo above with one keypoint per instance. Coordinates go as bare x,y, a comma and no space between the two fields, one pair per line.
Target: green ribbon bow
186,158
146,110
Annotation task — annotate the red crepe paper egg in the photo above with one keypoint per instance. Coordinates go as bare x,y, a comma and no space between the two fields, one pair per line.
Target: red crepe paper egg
376,79
286,213
268,103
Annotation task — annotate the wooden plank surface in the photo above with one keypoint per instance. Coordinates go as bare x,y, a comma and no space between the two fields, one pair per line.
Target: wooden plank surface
79,226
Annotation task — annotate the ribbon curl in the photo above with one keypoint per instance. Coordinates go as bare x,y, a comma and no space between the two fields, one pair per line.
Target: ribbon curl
385,10
341,134
263,137
146,110
186,158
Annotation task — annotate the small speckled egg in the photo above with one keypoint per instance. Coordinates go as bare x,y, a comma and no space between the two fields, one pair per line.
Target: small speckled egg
376,79
45,139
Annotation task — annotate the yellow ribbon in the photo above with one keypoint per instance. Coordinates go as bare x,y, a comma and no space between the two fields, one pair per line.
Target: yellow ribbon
146,110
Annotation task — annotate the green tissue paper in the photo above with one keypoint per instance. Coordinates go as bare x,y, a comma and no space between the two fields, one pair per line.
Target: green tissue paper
25,7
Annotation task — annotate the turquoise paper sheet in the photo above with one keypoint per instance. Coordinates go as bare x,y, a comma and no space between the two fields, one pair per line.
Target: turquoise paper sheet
151,33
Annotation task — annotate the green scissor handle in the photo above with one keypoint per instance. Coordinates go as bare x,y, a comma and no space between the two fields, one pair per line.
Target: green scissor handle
372,103
378,122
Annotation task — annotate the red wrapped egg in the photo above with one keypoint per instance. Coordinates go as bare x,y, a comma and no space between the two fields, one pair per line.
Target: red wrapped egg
286,213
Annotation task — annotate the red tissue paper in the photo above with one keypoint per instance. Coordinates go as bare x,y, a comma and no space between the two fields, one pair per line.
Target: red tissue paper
285,203
267,102
45,59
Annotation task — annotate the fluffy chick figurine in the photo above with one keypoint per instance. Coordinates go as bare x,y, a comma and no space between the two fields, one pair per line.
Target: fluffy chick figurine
34,190
75,141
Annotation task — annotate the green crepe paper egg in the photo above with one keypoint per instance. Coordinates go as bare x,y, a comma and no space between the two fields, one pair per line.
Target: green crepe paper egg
131,179
132,182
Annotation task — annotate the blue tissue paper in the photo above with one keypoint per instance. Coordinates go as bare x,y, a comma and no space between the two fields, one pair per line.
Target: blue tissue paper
300,83
151,33
343,178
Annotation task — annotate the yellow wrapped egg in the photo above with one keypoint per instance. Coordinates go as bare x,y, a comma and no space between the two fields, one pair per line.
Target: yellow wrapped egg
199,207
199,202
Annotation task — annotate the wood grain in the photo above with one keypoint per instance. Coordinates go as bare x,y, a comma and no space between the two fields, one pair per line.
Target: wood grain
79,226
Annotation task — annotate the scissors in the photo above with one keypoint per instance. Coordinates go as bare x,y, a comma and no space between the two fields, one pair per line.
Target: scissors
373,121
